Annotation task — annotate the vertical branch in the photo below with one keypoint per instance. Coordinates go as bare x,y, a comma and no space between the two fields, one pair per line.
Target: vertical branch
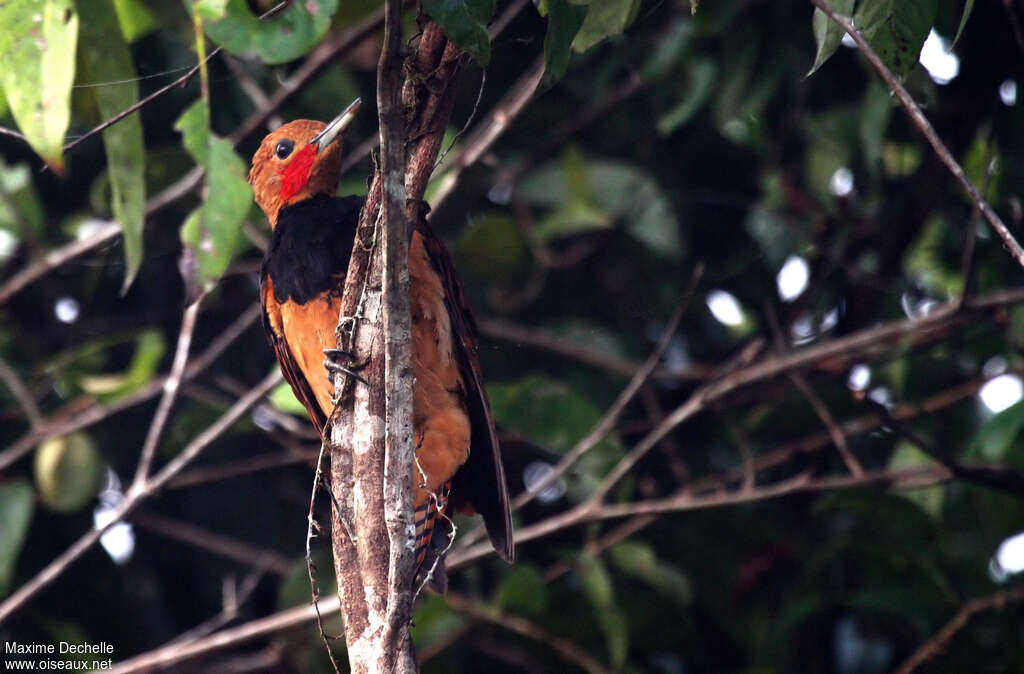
395,645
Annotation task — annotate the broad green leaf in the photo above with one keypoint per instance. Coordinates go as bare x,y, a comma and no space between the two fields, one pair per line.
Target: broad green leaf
604,19
564,21
640,561
896,29
699,85
105,58
67,470
995,437
549,413
968,8
924,261
671,50
908,456
21,214
211,9
149,351
136,19
523,591
283,398
37,47
875,113
16,505
212,233
597,583
434,622
827,33
465,24
194,127
492,247
589,194
900,159
286,36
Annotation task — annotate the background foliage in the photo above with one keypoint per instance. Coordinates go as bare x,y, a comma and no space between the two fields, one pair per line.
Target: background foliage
738,133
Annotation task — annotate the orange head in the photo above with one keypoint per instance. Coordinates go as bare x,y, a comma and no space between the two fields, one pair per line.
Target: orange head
297,161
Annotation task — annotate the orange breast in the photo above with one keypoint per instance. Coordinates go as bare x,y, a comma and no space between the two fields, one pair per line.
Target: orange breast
442,428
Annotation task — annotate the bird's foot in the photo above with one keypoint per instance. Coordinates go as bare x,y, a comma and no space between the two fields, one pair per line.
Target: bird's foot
334,367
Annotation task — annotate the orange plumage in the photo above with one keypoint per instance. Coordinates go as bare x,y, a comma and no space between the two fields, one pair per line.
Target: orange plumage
294,175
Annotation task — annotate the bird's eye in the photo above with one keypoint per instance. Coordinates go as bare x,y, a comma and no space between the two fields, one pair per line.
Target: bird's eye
284,148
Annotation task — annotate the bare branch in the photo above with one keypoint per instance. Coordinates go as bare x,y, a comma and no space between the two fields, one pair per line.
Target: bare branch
171,385
21,394
925,127
136,497
513,623
176,653
61,423
937,644
218,544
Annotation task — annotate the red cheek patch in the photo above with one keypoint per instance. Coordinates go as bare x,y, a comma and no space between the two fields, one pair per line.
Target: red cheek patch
296,173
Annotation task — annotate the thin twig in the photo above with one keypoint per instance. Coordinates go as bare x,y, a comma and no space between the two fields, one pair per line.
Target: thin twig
910,479
218,544
136,497
180,82
925,127
175,654
313,531
266,461
938,643
513,103
60,424
689,500
171,385
21,394
316,62
513,623
540,338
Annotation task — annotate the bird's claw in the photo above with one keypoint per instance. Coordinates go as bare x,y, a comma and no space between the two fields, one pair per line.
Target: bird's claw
333,367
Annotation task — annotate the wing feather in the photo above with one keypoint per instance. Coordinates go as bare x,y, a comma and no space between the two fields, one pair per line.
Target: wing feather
481,481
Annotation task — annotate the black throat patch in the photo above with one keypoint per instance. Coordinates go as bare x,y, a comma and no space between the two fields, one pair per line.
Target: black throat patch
308,255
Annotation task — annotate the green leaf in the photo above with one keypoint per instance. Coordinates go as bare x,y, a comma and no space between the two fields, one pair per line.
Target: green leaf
554,416
700,83
149,351
524,591
640,561
212,233
564,21
492,247
21,214
589,194
211,9
105,58
194,127
283,398
286,36
968,8
896,29
930,499
827,33
135,18
67,470
875,113
465,24
16,505
434,622
597,583
995,437
604,19
37,47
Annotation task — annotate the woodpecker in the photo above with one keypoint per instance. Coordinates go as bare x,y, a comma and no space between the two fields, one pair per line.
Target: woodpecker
458,466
